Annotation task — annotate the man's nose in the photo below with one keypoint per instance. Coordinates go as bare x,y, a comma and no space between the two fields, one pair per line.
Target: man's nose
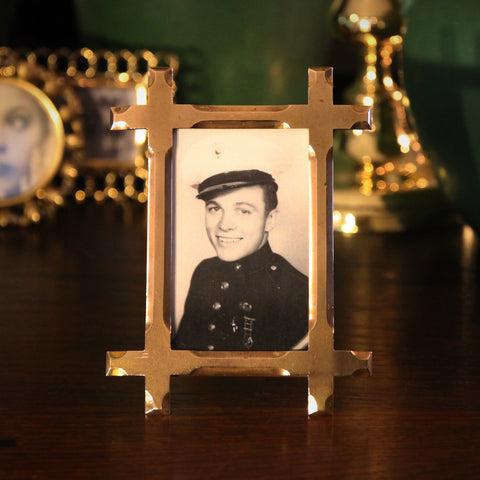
226,222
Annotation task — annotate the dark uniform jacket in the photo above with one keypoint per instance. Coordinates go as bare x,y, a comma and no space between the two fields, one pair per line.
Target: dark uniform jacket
259,302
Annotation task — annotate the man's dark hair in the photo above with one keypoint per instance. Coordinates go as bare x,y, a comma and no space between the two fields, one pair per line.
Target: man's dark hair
269,196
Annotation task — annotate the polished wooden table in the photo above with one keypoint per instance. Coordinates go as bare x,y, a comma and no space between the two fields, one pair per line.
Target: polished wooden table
74,288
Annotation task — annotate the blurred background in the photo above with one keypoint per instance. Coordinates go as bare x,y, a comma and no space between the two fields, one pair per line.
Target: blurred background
417,169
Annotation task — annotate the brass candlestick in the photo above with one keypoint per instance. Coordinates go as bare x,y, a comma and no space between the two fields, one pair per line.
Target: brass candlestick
383,180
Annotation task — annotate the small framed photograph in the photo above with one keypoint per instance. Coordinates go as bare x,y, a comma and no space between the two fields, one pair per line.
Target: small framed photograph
31,140
115,163
240,276
102,147
41,139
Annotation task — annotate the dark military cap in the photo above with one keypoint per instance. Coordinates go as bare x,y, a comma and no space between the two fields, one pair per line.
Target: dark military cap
220,182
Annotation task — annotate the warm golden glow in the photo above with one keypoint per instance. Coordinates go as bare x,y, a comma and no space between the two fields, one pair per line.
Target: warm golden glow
80,195
41,194
142,197
123,77
71,171
139,162
422,183
345,224
112,193
110,177
337,217
9,71
468,238
35,216
141,173
119,125
368,168
368,101
371,76
388,82
129,191
371,41
312,404
410,167
397,95
367,187
87,53
387,62
403,140
140,136
141,94
349,225
149,402
365,25
353,18
99,196
357,132
396,40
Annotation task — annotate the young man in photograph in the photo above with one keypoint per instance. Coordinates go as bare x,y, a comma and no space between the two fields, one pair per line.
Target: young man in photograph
247,297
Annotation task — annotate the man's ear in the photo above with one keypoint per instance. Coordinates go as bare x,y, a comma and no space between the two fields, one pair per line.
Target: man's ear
271,220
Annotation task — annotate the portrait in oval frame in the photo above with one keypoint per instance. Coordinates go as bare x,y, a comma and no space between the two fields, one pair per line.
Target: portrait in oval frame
32,140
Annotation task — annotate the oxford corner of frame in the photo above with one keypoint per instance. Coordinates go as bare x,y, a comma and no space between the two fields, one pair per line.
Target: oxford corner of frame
240,242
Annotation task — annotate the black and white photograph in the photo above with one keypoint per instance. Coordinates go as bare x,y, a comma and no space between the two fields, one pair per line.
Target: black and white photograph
101,143
241,240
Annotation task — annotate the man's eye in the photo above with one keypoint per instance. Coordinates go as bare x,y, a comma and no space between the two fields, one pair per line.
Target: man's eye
245,212
213,209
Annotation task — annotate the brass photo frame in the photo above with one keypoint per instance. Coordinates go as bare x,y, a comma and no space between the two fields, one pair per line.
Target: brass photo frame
158,361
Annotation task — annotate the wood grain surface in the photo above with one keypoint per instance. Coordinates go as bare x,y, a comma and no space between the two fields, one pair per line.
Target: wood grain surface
74,288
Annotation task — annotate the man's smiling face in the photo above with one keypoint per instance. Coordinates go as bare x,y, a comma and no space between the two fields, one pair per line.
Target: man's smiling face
237,223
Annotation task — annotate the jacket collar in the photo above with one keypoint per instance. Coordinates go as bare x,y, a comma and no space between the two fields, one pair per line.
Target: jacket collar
251,263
